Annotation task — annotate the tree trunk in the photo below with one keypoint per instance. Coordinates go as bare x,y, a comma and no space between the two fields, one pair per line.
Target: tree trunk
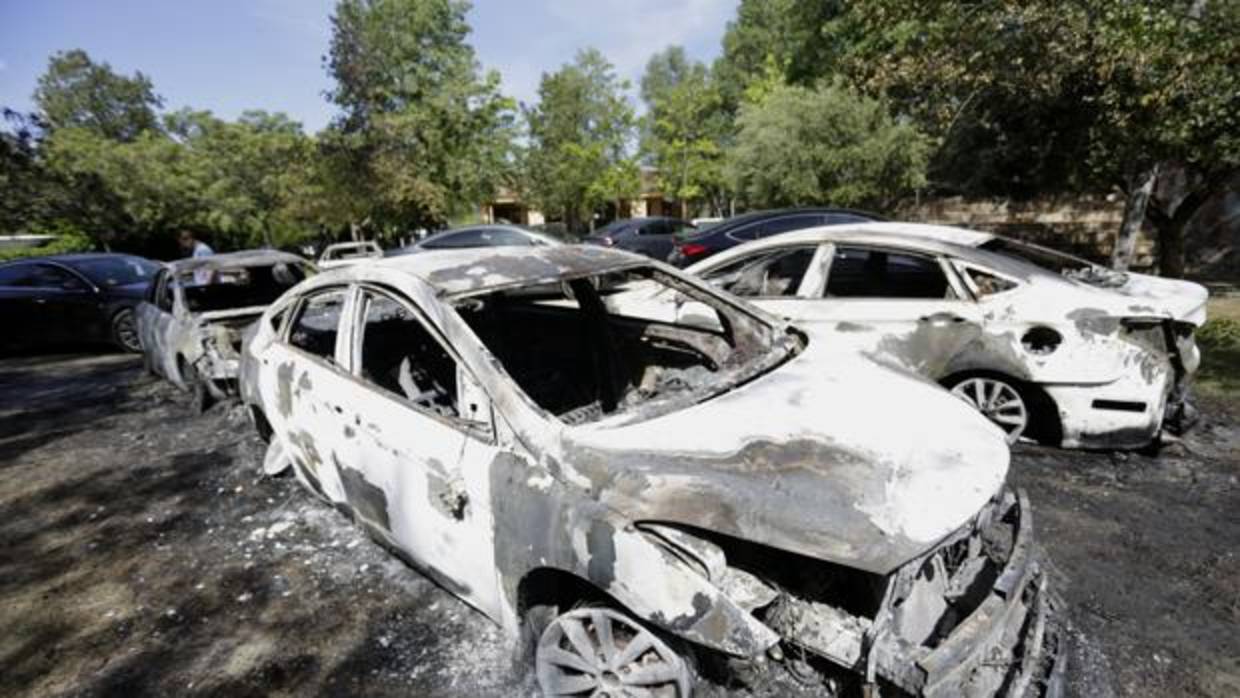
1171,248
1134,215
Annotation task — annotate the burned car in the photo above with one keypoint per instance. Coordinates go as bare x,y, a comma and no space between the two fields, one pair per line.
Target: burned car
628,491
342,254
190,323
1046,345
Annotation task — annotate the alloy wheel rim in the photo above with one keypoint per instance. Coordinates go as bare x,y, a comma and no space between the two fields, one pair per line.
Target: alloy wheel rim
127,333
599,653
998,402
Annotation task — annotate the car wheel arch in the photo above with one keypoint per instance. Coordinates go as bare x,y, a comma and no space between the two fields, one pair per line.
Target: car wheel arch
691,608
1045,425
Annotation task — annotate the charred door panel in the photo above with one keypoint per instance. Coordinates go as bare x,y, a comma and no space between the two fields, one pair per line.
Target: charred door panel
418,430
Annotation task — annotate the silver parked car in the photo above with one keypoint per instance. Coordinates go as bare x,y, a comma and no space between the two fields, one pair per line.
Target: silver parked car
191,322
341,254
632,489
1044,344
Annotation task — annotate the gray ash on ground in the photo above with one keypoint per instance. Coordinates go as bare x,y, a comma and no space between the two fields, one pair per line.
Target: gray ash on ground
146,555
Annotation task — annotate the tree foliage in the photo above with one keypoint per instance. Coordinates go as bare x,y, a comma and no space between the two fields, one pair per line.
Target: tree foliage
685,129
579,135
77,92
1028,98
804,146
424,133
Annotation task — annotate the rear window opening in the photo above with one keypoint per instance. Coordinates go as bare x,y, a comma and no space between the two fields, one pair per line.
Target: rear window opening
242,287
635,341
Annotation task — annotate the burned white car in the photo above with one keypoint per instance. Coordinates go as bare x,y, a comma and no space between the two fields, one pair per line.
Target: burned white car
191,322
342,254
627,490
1044,344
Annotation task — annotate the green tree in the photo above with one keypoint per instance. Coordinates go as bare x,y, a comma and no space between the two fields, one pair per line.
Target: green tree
428,135
579,134
787,35
685,128
1052,95
77,92
804,146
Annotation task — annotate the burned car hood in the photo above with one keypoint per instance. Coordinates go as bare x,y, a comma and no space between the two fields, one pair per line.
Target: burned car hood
830,456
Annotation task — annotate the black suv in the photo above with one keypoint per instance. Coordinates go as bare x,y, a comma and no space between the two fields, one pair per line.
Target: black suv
758,224
649,236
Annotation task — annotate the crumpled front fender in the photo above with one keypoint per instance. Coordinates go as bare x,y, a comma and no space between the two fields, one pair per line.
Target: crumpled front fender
662,589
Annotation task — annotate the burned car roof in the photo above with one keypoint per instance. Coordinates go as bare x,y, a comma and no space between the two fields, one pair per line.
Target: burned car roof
455,272
244,258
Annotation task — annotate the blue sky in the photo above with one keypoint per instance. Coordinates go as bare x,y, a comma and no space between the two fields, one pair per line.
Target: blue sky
232,55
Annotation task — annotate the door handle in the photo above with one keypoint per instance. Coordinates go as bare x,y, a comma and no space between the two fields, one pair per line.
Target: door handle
40,301
941,319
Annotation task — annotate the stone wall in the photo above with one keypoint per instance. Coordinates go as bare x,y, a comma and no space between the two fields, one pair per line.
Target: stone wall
1085,226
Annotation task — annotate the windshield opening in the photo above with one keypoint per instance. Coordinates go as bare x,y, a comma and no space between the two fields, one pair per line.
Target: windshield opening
242,287
117,271
637,342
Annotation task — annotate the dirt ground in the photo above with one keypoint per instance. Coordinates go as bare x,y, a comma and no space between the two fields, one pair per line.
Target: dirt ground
143,555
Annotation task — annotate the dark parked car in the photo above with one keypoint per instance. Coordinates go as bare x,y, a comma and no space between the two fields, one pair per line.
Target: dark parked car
73,298
487,235
758,224
652,237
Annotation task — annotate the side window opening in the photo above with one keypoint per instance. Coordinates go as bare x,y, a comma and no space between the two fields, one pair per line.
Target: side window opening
869,273
317,324
986,284
45,276
15,275
277,320
399,355
772,274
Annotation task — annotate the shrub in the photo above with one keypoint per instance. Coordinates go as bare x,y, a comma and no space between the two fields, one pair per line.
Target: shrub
64,243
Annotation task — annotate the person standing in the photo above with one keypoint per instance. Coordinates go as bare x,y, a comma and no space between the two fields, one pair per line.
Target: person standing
192,246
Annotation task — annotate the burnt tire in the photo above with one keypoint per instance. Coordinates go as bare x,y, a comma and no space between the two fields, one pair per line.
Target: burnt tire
125,331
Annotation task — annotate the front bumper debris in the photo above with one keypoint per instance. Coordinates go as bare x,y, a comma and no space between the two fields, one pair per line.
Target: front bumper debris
1008,644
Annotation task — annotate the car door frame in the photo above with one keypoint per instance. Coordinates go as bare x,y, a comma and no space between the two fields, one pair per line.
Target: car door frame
156,326
960,320
784,306
427,527
72,313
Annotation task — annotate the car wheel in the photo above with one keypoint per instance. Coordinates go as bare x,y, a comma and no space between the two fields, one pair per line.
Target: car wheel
999,400
125,331
600,652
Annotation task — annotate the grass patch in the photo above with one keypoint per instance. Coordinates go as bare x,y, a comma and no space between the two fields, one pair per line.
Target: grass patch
1219,340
